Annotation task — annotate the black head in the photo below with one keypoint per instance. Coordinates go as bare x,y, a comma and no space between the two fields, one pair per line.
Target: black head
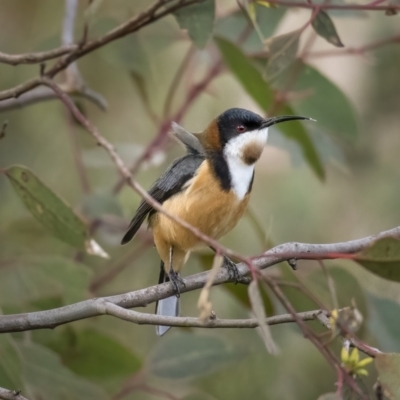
235,121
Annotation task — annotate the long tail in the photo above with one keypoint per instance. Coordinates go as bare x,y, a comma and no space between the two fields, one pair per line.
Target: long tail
168,307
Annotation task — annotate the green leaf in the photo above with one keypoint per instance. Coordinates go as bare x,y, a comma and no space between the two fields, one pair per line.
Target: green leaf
325,102
282,53
324,27
48,379
187,355
388,366
382,324
382,258
198,20
246,73
10,365
45,277
95,356
231,26
295,130
239,292
52,211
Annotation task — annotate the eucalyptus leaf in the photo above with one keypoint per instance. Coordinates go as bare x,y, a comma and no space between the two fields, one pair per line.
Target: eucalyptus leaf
382,258
388,367
44,375
10,364
296,131
259,312
95,356
50,210
246,73
282,52
325,28
189,355
231,26
198,20
33,279
324,101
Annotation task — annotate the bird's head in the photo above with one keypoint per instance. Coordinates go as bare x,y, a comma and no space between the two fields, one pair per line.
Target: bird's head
240,134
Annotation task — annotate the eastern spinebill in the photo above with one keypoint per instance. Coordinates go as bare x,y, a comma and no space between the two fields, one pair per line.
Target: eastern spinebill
209,188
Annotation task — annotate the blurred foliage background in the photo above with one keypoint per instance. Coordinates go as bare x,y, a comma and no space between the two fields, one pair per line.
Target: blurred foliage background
348,188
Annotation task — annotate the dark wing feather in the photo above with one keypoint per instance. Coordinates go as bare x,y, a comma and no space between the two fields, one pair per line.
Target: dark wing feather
170,183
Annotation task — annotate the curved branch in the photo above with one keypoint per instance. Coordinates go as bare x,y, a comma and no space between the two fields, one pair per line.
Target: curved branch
140,298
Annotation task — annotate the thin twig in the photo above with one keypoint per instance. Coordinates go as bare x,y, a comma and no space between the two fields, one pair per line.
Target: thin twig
152,319
309,334
41,94
38,57
153,13
175,81
366,7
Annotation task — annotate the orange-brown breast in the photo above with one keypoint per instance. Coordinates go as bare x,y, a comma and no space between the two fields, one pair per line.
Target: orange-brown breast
204,205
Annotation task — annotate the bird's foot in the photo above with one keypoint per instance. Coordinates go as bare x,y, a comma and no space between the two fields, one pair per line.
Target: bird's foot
232,269
176,281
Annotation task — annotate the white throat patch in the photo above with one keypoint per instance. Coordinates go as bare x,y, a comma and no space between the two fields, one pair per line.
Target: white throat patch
242,173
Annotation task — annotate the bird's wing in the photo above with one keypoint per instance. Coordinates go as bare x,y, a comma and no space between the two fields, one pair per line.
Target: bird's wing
169,184
190,140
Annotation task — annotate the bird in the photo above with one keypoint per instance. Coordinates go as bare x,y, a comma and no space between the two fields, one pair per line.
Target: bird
209,187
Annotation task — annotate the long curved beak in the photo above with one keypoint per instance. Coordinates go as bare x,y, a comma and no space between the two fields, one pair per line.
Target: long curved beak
282,118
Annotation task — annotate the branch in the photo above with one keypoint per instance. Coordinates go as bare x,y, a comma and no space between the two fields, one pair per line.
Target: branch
191,322
44,94
140,298
153,13
38,57
6,394
329,6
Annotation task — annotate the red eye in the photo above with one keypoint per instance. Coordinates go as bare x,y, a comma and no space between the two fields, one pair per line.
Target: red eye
241,129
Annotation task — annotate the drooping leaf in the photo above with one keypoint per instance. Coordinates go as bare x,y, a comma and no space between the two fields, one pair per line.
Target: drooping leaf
388,366
259,312
246,73
325,28
382,258
189,355
239,292
231,26
31,280
295,130
95,356
282,52
325,102
382,324
198,20
44,375
50,210
10,364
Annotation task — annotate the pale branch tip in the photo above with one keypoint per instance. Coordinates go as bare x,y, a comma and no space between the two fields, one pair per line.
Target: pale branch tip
15,394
